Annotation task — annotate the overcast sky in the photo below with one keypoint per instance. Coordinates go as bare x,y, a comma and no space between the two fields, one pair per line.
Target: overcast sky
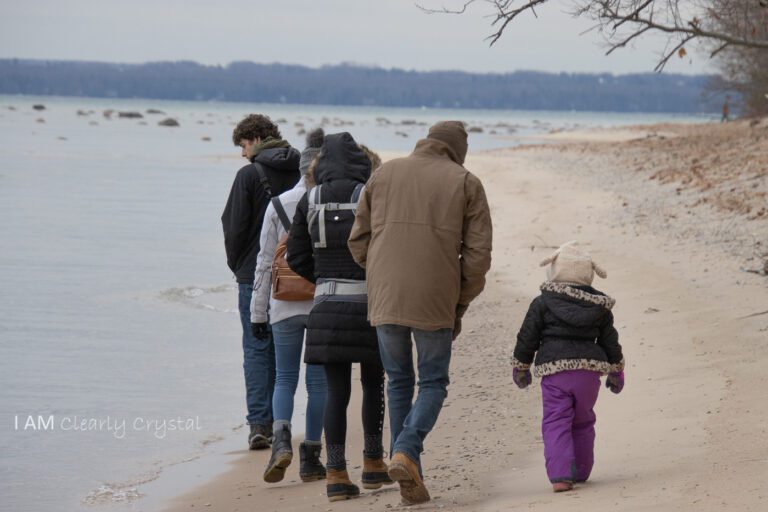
391,33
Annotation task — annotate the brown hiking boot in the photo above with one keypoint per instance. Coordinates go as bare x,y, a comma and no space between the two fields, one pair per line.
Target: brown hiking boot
339,487
405,472
562,486
375,473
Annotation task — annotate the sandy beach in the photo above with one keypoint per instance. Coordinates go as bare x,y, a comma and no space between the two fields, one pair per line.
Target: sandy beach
677,216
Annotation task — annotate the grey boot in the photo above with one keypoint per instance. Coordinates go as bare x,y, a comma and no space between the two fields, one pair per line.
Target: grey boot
259,437
282,455
311,468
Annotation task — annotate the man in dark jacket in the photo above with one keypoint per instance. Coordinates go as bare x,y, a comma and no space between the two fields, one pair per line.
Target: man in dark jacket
274,168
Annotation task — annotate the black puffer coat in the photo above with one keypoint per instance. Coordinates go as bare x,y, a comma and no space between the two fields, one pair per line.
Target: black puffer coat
244,213
569,328
337,331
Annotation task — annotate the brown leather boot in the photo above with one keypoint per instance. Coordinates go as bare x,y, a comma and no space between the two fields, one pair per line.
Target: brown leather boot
339,486
405,472
375,473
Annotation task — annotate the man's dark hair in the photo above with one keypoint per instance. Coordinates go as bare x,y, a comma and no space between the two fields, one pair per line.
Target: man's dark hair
255,126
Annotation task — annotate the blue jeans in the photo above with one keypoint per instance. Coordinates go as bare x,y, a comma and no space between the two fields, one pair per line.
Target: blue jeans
289,340
258,365
411,422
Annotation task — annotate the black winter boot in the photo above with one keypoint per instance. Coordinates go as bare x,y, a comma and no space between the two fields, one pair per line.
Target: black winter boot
259,437
311,468
282,455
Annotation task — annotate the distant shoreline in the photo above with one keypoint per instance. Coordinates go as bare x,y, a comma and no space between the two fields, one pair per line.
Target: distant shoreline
351,85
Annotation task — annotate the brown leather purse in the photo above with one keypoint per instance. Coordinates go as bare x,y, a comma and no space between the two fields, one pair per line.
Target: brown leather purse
287,284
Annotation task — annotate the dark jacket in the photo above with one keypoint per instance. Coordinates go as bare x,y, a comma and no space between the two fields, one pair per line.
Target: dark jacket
569,328
244,213
337,329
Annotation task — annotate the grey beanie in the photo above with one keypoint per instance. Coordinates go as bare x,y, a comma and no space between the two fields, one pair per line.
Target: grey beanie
314,142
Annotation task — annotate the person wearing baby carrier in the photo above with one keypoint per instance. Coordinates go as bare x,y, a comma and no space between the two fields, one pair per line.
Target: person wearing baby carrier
338,331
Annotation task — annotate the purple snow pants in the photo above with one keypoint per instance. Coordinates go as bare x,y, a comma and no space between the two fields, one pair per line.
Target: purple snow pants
568,424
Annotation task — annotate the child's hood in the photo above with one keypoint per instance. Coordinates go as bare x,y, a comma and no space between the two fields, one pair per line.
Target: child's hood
576,305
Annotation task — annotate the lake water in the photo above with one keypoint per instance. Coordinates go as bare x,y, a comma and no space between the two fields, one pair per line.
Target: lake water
119,339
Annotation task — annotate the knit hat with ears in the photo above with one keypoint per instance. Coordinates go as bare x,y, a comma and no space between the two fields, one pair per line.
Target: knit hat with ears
570,264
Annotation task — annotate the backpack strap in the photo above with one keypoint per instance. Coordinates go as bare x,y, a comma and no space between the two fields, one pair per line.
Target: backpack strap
284,220
263,179
356,195
313,205
357,192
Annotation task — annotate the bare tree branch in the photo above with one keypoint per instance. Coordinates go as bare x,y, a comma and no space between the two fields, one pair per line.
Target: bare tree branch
508,16
633,14
668,55
622,21
445,10
623,43
719,49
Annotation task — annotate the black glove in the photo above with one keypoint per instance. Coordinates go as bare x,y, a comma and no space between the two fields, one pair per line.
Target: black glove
260,331
460,310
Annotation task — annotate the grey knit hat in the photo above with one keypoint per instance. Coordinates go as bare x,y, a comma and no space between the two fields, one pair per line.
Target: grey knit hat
314,142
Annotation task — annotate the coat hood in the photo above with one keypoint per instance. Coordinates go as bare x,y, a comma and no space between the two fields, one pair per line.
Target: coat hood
341,158
279,159
578,306
448,138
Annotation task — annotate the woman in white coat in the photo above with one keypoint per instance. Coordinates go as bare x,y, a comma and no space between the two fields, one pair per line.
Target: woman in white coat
288,321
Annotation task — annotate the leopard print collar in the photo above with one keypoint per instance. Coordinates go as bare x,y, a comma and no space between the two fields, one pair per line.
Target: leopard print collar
571,291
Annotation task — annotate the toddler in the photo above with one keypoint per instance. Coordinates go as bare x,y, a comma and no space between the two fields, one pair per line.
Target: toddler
569,329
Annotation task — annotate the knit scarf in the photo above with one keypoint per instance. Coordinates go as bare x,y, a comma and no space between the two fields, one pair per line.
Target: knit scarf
268,143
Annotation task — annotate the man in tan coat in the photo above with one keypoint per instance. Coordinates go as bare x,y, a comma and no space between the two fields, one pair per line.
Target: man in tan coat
423,233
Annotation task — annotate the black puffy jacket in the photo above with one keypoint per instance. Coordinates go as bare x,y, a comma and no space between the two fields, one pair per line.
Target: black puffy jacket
337,331
244,212
569,328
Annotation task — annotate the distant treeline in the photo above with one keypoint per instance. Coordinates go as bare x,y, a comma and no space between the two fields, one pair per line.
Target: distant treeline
356,85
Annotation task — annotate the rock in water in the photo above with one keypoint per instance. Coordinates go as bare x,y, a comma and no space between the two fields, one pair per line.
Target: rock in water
38,107
168,122
130,115
154,111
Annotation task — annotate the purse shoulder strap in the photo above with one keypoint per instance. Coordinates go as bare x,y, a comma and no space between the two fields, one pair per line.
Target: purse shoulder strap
281,214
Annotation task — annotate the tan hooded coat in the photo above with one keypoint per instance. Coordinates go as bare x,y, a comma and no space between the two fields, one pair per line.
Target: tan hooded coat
423,233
